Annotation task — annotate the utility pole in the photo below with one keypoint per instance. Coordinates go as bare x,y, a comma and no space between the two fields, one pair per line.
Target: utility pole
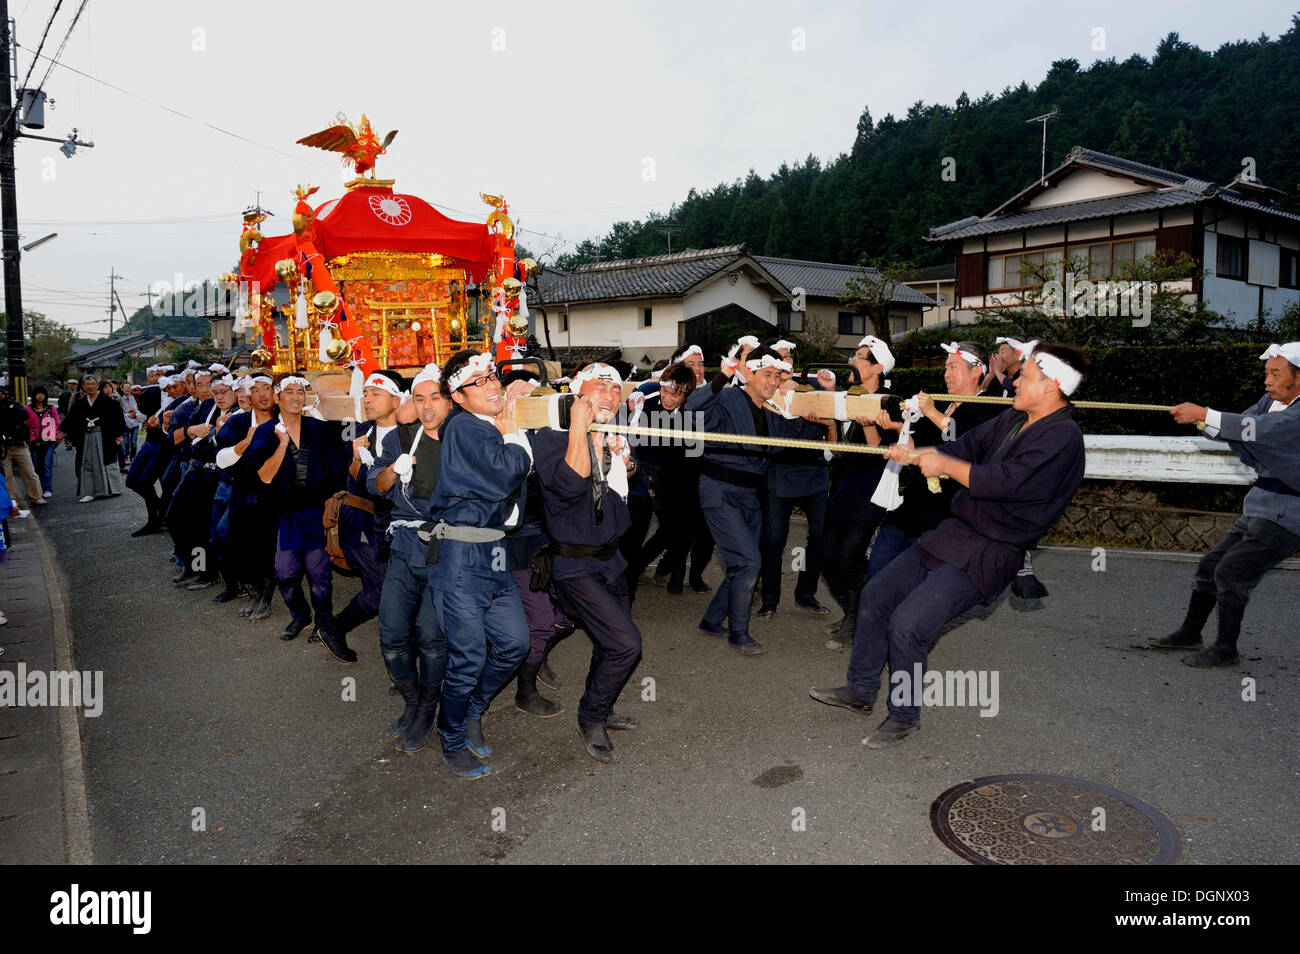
113,299
668,230
14,337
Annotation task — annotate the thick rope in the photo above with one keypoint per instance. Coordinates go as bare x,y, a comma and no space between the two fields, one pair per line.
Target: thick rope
1097,405
799,443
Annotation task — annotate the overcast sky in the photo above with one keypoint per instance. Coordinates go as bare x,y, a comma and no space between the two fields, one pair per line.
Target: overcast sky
555,105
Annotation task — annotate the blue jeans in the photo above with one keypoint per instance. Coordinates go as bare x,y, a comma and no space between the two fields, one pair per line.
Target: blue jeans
776,530
43,464
735,522
487,639
409,635
902,611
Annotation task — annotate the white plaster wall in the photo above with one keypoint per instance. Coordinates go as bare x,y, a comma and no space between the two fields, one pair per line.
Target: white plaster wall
1084,184
718,293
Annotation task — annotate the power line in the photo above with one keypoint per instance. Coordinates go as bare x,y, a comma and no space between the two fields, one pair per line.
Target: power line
182,115
59,52
40,46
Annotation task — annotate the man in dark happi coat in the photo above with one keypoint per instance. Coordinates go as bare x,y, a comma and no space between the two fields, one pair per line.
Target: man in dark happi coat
1019,471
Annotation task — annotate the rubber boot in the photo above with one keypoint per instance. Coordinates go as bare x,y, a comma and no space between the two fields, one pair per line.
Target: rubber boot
1224,650
263,608
416,736
1188,636
528,699
545,675
410,692
843,640
336,642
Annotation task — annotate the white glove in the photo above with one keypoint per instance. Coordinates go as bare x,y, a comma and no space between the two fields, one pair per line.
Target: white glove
403,466
279,426
367,458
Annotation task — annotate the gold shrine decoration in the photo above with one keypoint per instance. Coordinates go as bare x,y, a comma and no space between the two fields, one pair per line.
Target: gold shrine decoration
394,267
400,315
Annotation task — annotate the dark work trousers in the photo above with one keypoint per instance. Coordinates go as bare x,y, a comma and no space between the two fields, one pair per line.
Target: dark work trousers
487,639
409,634
695,538
540,612
189,518
170,480
902,611
301,550
146,470
853,519
601,607
735,520
629,544
364,558
1251,547
776,531
255,526
889,543
219,533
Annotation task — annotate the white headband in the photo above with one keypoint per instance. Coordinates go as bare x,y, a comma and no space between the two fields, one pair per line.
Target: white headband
152,368
1290,351
430,372
880,351
767,361
1019,347
165,382
693,349
290,381
1066,377
787,345
228,380
742,342
477,364
384,383
595,372
253,379
216,366
969,358
193,365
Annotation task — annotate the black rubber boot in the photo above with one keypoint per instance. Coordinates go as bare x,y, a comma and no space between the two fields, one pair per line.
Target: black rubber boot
263,608
1224,650
296,626
348,620
545,675
842,641
416,736
232,591
1188,636
336,642
528,699
410,692
596,740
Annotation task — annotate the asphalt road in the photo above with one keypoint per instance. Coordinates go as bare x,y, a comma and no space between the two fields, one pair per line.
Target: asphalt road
204,710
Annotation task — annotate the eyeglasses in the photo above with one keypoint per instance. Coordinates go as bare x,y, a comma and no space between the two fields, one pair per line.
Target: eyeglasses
490,376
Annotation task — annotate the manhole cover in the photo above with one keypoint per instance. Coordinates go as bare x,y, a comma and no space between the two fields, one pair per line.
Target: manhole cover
1050,820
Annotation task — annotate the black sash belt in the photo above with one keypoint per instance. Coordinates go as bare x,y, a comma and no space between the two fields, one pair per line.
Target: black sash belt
540,580
729,475
1276,486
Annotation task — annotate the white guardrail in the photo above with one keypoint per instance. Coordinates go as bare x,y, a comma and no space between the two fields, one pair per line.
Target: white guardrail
1191,460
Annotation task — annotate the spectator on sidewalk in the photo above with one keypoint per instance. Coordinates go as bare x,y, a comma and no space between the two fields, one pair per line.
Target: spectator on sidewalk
68,395
44,440
17,425
130,411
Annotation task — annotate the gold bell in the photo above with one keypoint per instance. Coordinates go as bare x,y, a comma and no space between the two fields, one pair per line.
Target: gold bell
325,302
261,358
337,350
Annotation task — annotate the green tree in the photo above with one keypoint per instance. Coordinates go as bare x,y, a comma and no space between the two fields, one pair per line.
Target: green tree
48,344
871,292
